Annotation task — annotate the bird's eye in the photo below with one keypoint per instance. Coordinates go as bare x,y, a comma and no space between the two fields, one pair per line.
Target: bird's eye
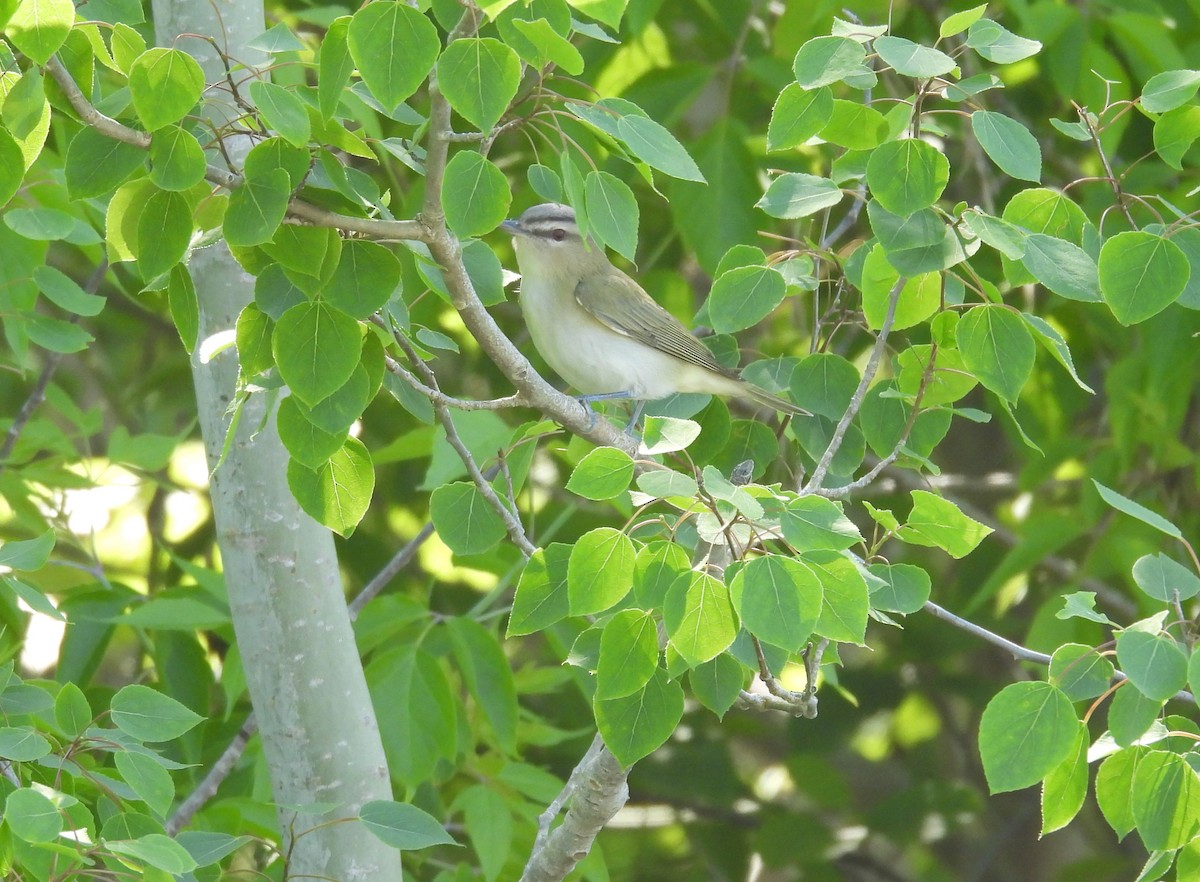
558,235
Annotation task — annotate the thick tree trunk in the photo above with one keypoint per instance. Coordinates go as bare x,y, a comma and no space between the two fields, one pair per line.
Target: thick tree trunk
302,667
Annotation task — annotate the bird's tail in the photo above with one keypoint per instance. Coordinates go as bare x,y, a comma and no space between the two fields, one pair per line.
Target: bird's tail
768,399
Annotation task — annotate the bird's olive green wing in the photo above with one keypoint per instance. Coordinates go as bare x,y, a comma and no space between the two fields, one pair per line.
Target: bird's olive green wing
619,303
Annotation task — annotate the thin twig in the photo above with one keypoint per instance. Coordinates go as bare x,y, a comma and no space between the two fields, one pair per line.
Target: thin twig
399,561
835,443
437,396
221,770
1113,181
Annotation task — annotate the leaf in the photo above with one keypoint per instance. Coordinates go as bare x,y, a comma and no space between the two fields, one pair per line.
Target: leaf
920,297
1131,715
778,600
612,212
489,676
465,521
317,348
96,165
997,44
366,278
164,233
1064,268
657,147
1141,274
176,159
275,153
907,175
541,598
667,435
1165,799
1164,579
338,493
403,826
256,208
813,522
743,297
540,44
27,554
334,66
72,713
796,195
479,77
148,715
1134,510
600,571
798,115
41,224
24,105
1152,661
1008,144
1025,732
12,167
906,588
489,823
699,618
56,335
938,523
254,341
155,850
1169,89
1065,787
1114,789
1054,343
149,780
634,726
207,847
1080,671
39,27
1006,238
602,474
912,59
30,815
960,21
475,194
22,744
282,111
997,347
1082,605
855,126
394,47
165,85
919,243
628,654
717,683
844,596
823,61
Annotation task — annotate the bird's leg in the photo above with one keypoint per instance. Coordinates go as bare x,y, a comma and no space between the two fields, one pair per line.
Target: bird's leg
638,407
586,402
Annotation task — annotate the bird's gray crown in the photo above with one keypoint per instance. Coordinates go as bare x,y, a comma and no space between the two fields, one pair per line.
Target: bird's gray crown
543,220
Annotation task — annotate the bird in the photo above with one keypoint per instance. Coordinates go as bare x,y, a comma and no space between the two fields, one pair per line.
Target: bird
599,329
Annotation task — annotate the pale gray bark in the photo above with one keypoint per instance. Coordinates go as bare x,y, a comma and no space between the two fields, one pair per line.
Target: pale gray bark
317,724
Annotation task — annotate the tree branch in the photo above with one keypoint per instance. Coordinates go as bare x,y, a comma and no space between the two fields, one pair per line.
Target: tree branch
220,770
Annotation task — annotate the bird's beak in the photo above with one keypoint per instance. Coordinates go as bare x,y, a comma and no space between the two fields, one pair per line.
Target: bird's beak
513,228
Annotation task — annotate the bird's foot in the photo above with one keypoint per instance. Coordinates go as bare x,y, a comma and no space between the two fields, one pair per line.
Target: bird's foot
585,401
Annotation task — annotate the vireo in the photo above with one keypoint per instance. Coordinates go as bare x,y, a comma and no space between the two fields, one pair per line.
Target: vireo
600,331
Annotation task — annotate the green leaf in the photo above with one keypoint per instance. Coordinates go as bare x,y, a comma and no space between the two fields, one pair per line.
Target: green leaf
919,243
600,572
256,208
337,493
12,167
1080,671
604,473
27,554
308,443
743,297
334,66
97,165
1008,144
844,597
905,590
717,683
661,484
1064,268
185,309
912,59
997,44
1114,789
659,565
366,278
920,297
176,159
127,45
275,153
634,726
1175,132
667,435
1164,579
823,61
960,21
778,600
465,521
39,27
489,823
1152,661
699,618
1169,89
907,175
155,850
612,212
1134,510
475,194
855,126
254,341
1054,343
938,523
796,195
41,224
1131,714
25,105
149,780
540,45
607,12
148,715
798,115
1141,274
541,598
628,654
316,348
479,77
488,674
31,816
1025,732
997,347
164,232
394,47
165,85
1165,800
813,522
1066,787
282,111
72,713
22,744
546,182
657,147
56,335
1082,605
1006,238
